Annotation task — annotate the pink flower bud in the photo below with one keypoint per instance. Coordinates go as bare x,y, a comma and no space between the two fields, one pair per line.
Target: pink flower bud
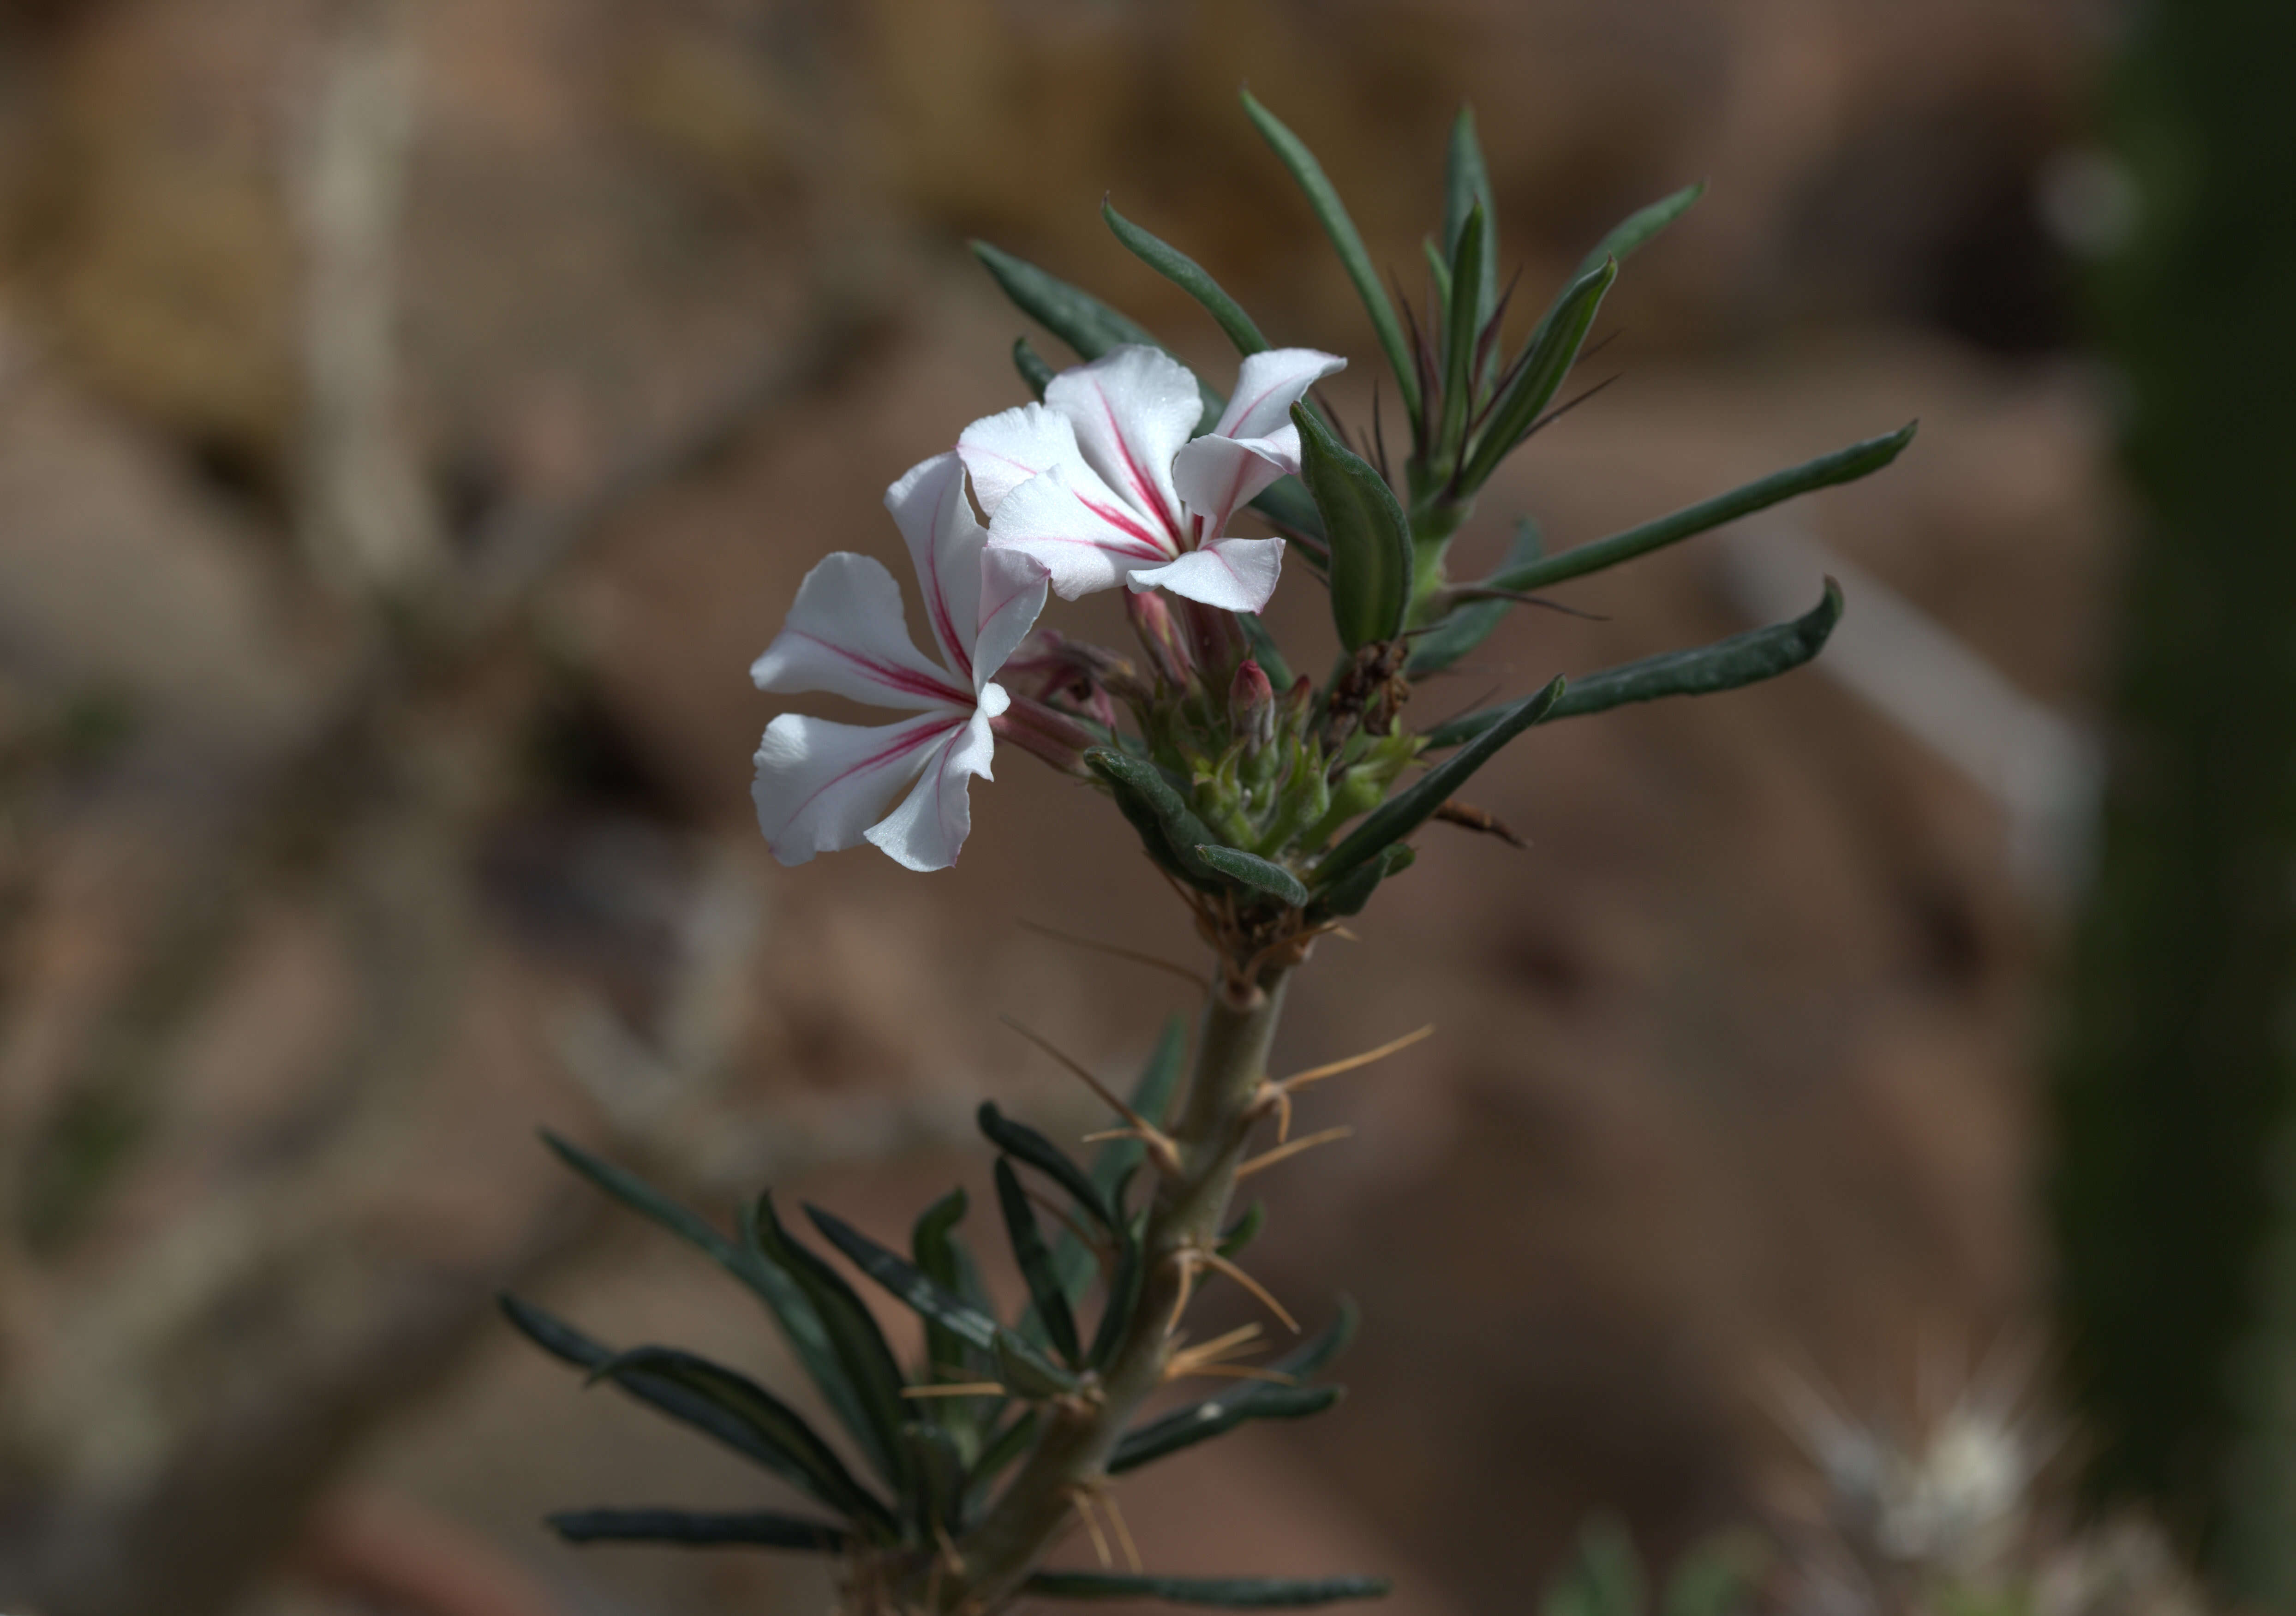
1161,637
1251,707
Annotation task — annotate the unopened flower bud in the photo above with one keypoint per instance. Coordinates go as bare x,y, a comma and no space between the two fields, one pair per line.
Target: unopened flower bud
1252,707
1161,637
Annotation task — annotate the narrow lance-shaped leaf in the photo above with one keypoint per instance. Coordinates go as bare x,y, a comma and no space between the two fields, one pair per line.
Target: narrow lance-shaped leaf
824,1478
1471,622
1332,214
939,1255
1634,232
753,1528
1227,1592
1438,270
939,1506
1034,371
1742,659
1370,541
928,1300
1074,315
1351,891
1246,1400
1466,187
1157,810
860,1345
783,1297
1124,1287
1260,874
1538,374
1035,1259
1843,466
1460,329
1006,1446
1416,804
1025,1144
1190,277
751,1419
1073,1264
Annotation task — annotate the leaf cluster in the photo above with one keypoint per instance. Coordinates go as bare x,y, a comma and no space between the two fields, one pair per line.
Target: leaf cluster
914,1453
1262,831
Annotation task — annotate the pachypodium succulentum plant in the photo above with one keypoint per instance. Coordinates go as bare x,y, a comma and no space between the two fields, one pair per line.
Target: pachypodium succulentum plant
1274,802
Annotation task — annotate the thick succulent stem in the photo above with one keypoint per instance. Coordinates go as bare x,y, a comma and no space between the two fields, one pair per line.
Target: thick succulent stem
1216,1117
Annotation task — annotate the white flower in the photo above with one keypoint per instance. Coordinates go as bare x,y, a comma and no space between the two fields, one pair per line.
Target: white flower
1101,484
820,785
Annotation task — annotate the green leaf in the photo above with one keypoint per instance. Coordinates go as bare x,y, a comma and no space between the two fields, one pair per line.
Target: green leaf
1351,891
1843,466
932,1244
938,1506
1467,186
1185,273
861,1351
1030,364
1606,1578
1246,1400
1537,376
1026,1373
910,1287
1460,327
1332,214
1410,807
749,1419
756,1529
1075,316
1152,1096
1438,270
1020,1140
1742,659
1265,650
1159,813
1370,541
1006,1446
1229,1592
780,1441
1470,623
1124,1288
1260,874
783,1297
1244,1230
1636,230
1035,1263
1286,502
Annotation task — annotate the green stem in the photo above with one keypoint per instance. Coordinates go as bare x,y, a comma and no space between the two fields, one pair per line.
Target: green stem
1190,1210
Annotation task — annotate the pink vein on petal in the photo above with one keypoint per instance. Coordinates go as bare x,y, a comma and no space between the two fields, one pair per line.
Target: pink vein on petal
1141,485
909,743
898,678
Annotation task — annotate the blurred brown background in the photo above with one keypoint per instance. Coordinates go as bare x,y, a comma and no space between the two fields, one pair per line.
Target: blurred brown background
414,417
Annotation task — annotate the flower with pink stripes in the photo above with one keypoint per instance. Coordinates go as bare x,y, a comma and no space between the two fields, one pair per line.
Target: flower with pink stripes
1103,485
821,785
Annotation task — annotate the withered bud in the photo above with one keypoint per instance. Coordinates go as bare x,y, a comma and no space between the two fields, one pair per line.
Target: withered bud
1252,707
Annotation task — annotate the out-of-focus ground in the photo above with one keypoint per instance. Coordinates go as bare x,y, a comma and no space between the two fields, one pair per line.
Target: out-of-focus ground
1732,1077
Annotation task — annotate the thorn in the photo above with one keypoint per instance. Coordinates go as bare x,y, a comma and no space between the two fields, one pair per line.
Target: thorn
1123,1533
1316,1074
1114,952
1188,1260
1344,935
1454,812
1260,1294
1238,1371
1166,1154
1078,1501
961,1389
1272,1097
1283,1153
1091,1242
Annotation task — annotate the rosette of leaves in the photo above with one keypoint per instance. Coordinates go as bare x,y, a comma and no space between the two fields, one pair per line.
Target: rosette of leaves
919,1450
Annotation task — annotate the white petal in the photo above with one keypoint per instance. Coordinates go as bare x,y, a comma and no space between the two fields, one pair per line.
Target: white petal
820,785
1082,541
928,829
1233,574
1132,408
945,544
1013,585
847,635
1268,384
1003,451
1215,474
